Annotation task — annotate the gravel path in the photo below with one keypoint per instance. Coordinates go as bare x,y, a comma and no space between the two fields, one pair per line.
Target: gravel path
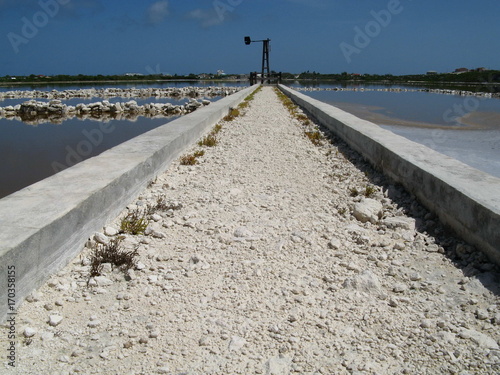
271,260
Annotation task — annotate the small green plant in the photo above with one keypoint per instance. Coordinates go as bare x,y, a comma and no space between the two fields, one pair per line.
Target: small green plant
342,210
315,137
135,222
243,105
301,117
188,160
217,128
233,113
353,192
111,253
210,140
370,191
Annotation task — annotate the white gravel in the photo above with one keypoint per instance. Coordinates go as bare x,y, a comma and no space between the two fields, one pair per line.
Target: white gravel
262,268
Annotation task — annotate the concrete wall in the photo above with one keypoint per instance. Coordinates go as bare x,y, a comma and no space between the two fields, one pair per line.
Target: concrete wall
44,226
464,198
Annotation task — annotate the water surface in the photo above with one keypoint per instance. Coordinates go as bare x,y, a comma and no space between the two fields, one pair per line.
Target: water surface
466,128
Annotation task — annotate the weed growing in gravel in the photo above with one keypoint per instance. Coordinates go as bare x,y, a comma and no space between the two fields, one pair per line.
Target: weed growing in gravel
243,105
315,137
252,95
353,192
233,113
217,128
370,191
111,253
135,222
152,182
188,160
163,205
210,140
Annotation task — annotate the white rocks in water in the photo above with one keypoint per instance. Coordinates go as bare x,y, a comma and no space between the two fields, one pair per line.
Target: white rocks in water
236,343
110,231
368,210
101,238
29,332
366,282
479,338
55,320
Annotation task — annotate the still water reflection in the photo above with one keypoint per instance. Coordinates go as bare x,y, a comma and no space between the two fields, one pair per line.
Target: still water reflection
30,153
466,128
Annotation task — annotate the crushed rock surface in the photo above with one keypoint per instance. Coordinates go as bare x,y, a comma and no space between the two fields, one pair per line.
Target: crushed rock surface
271,260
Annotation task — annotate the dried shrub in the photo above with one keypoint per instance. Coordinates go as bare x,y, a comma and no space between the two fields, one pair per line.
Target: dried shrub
315,137
370,191
217,128
188,160
353,192
135,222
163,205
233,113
111,253
209,141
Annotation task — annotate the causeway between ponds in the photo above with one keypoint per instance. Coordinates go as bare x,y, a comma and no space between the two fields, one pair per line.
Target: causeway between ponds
271,255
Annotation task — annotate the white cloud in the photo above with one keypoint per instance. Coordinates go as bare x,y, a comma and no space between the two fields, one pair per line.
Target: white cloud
206,18
157,12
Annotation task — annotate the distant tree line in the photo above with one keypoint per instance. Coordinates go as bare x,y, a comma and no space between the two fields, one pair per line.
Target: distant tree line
488,76
93,78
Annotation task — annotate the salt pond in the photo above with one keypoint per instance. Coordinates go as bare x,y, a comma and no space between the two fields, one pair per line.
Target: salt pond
30,153
464,127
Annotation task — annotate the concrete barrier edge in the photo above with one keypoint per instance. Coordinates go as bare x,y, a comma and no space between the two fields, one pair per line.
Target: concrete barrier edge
45,225
465,199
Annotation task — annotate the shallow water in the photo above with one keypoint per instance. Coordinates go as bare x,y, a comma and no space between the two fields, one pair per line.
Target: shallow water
31,153
466,128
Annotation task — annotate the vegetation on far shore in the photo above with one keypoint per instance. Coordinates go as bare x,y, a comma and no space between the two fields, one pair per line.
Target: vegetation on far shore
486,76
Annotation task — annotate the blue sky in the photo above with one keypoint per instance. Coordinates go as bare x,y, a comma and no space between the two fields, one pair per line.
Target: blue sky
195,36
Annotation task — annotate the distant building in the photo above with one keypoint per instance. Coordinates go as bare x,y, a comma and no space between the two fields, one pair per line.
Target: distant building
133,74
220,72
461,70
480,69
431,72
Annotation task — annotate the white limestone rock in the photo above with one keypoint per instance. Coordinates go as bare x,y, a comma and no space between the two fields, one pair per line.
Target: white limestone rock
368,210
55,320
